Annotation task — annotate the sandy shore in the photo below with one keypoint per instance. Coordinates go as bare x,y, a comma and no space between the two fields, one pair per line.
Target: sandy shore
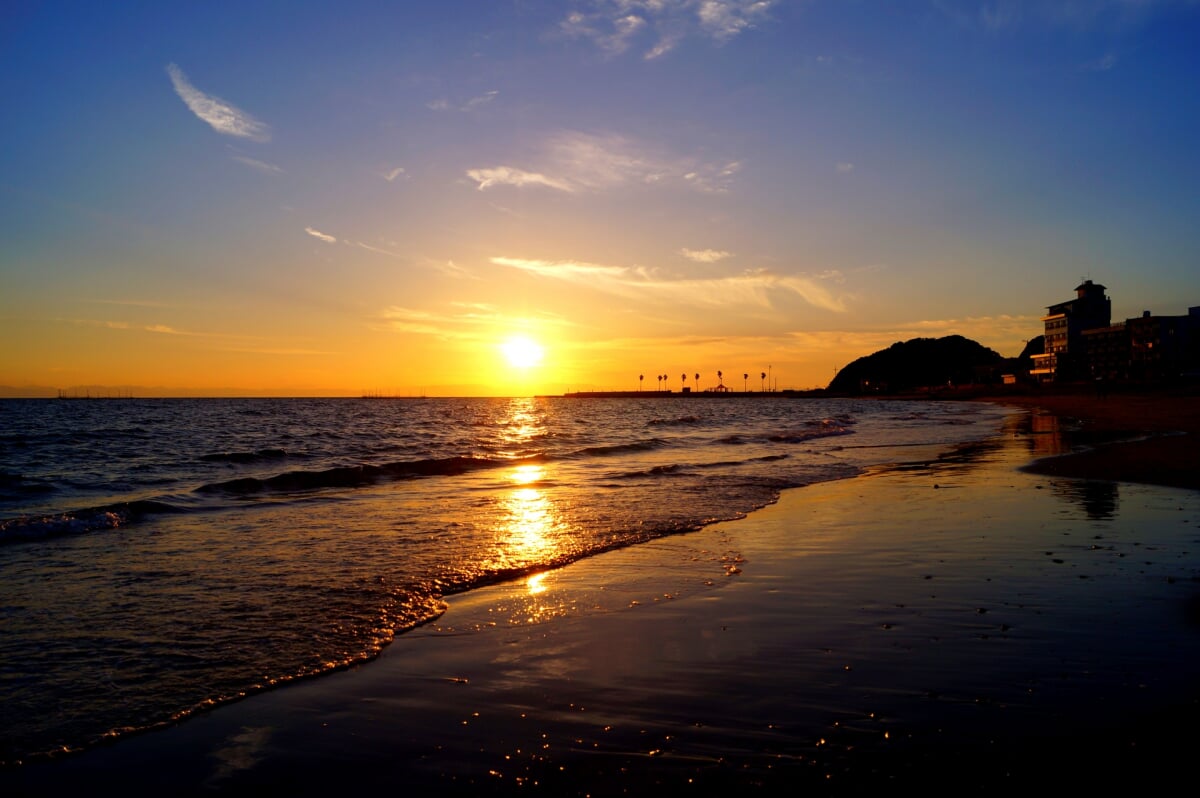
957,625
1158,431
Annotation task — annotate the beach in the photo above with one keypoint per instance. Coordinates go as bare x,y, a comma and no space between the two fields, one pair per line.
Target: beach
1156,432
962,623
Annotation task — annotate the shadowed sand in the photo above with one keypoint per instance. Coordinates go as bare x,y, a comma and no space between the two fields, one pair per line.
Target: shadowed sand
1160,434
956,626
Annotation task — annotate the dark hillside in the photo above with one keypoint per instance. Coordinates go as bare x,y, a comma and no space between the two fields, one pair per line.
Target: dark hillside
918,363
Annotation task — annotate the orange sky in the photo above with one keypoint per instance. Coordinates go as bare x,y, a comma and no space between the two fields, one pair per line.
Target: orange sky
201,201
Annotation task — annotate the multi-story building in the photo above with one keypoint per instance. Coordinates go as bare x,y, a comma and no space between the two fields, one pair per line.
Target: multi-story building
1065,324
1081,343
1162,347
1106,350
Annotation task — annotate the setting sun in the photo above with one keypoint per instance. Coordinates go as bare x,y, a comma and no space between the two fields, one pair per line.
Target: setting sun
522,352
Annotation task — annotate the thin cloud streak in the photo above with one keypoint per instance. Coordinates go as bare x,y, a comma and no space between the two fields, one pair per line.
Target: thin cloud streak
1003,16
442,104
167,330
328,239
511,176
1004,333
258,166
573,162
157,329
476,322
704,255
370,248
140,303
222,116
285,352
753,288
1103,64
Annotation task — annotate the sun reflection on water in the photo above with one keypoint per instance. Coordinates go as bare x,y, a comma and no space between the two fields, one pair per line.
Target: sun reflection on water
526,474
522,425
529,529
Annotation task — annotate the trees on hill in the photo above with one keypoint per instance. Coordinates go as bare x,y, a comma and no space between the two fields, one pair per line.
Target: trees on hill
917,363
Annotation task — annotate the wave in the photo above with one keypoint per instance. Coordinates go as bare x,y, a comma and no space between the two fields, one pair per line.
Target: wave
656,471
80,522
112,516
678,468
262,455
619,448
357,476
16,485
673,422
825,428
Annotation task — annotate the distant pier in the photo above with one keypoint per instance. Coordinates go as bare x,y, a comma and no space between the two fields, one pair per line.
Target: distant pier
87,394
788,393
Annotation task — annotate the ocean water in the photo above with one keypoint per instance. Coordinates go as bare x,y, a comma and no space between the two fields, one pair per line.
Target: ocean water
158,557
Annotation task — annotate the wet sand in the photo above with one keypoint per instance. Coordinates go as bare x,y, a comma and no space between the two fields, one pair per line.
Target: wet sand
1158,434
957,625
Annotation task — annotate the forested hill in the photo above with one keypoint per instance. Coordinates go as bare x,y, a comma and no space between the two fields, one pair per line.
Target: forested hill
917,363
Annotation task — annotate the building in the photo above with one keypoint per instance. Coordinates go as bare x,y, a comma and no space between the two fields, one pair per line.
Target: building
1163,347
1081,343
1064,356
1107,352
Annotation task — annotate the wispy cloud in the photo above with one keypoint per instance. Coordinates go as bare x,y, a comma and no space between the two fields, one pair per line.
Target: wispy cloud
222,116
573,161
612,32
257,165
998,16
278,350
657,27
512,176
235,342
594,161
391,174
474,103
844,167
157,329
982,328
328,239
726,18
469,321
370,248
704,255
1006,334
753,288
452,269
139,303
1102,64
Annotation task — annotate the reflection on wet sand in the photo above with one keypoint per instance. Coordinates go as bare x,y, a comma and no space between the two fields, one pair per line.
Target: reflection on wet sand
1024,437
1050,436
1099,500
531,531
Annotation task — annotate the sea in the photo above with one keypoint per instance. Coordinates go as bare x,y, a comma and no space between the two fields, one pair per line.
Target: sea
161,557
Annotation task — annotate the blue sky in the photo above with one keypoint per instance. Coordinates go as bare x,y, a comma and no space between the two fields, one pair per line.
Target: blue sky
323,198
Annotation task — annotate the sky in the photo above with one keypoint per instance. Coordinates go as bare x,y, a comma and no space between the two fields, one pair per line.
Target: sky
510,197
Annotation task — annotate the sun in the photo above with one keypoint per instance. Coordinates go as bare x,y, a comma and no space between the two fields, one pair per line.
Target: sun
522,352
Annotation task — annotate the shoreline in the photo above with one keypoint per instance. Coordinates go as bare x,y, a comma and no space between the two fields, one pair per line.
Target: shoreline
1148,438
764,652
